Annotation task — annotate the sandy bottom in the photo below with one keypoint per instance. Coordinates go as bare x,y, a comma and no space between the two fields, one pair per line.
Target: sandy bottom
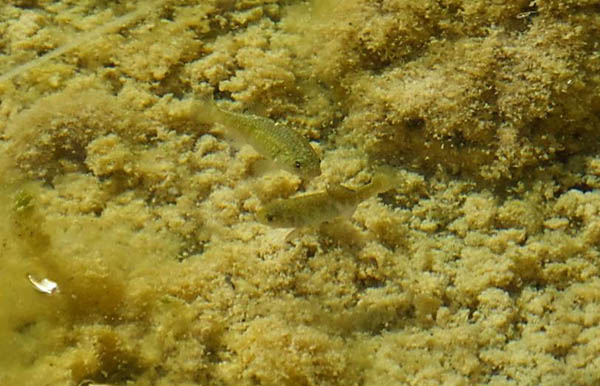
481,267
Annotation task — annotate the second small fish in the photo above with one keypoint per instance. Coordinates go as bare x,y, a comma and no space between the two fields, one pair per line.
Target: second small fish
315,208
278,142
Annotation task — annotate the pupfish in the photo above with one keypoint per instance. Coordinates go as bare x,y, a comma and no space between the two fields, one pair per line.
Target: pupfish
315,208
278,142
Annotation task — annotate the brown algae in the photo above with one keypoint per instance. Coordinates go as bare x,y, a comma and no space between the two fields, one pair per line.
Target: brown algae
483,267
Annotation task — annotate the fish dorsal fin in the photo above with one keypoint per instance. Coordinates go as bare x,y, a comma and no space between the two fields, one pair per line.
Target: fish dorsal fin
344,198
339,192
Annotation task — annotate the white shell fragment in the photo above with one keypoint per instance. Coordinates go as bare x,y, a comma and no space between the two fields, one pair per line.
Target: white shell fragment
46,286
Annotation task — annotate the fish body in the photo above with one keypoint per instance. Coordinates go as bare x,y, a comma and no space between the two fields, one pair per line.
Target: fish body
315,208
278,142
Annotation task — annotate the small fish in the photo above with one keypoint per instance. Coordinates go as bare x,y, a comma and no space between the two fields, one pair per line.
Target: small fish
315,208
278,142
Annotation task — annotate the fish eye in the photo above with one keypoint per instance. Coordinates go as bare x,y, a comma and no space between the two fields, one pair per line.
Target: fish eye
298,164
270,217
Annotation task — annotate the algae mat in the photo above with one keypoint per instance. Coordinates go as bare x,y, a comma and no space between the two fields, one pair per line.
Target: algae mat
480,267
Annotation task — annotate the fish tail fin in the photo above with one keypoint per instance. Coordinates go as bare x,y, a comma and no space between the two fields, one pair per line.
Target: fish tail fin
385,178
205,110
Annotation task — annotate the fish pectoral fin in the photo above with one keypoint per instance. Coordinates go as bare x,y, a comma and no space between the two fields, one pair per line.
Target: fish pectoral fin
263,166
294,234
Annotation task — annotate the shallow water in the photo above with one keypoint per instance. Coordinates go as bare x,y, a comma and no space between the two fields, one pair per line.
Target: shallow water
480,267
